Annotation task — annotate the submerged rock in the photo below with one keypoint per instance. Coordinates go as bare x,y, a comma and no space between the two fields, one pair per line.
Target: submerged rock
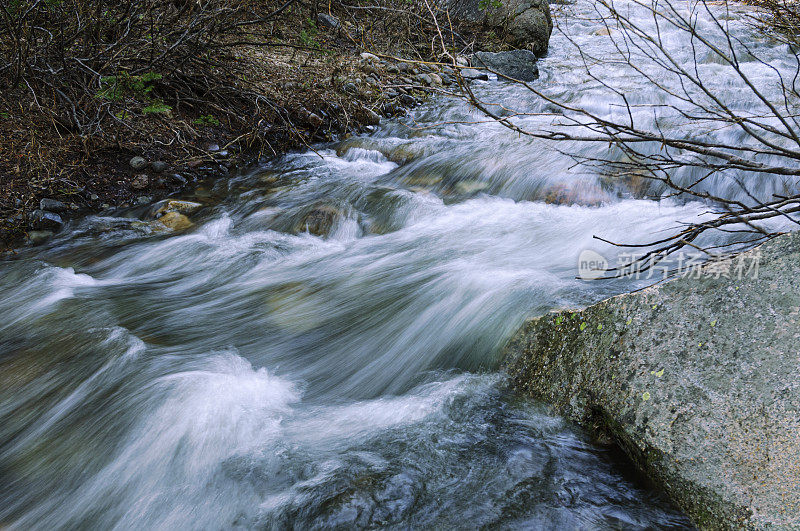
36,237
697,379
319,221
514,64
175,221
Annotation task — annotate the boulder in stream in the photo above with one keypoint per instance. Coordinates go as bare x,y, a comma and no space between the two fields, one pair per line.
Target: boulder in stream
175,221
514,64
697,380
523,24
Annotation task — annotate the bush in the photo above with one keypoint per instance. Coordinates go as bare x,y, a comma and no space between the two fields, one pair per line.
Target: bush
86,60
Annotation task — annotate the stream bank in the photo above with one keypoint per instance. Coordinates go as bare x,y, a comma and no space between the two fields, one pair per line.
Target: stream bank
321,75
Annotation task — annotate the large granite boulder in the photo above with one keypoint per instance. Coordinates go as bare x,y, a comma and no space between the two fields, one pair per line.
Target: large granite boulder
525,24
697,379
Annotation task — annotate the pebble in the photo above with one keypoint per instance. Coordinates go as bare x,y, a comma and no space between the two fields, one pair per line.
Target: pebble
327,21
213,148
143,199
138,163
52,205
366,56
158,166
140,182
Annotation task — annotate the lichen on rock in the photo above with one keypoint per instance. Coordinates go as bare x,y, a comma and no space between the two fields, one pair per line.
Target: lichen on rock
697,379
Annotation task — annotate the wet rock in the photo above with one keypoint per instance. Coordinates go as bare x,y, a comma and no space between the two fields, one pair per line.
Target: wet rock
158,166
408,101
423,179
138,163
390,109
176,205
371,117
318,221
424,79
52,205
392,69
350,88
213,148
435,79
36,237
514,64
471,73
315,120
143,199
294,307
405,153
42,219
178,178
94,197
328,21
140,182
696,379
175,221
469,187
574,194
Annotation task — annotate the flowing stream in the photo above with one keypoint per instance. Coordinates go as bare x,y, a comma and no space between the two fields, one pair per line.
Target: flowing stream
248,373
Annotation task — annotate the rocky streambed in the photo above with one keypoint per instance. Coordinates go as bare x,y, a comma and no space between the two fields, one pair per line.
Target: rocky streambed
317,341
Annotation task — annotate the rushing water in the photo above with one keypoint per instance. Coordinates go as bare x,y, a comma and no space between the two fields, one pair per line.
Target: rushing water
248,373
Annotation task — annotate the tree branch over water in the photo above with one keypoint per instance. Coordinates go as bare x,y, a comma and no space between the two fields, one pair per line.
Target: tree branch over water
737,149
